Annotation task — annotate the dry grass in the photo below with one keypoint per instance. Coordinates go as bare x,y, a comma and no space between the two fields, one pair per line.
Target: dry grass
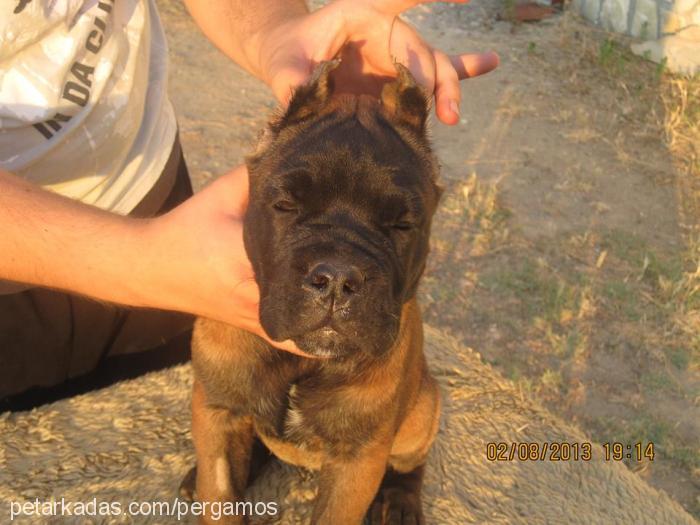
681,98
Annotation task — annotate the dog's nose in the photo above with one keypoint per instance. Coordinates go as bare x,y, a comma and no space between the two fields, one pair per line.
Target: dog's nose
327,280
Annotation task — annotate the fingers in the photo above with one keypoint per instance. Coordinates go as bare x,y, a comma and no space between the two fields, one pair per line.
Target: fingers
449,71
394,7
253,326
474,64
227,194
247,317
447,93
289,346
407,47
288,78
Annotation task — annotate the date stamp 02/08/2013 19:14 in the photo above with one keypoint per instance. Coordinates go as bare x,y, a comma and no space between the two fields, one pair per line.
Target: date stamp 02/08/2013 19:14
565,451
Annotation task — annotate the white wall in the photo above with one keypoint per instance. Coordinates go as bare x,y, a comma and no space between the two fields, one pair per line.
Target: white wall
646,19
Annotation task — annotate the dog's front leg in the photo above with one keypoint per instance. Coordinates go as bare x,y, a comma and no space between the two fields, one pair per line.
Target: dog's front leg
223,444
347,485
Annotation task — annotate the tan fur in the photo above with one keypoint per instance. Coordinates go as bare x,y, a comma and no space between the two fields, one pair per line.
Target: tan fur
417,431
403,440
296,456
217,435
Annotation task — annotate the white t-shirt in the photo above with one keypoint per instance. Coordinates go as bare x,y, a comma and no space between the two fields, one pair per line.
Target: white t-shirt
84,110
83,104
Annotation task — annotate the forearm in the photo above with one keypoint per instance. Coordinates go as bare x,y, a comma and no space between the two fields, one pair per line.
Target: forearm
48,240
236,26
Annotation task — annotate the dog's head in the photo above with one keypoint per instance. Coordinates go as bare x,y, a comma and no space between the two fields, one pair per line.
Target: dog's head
342,192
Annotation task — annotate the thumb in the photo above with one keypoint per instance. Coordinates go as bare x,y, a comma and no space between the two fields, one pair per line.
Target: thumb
474,64
287,78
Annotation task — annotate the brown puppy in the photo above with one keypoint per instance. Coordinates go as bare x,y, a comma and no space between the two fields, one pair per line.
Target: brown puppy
342,192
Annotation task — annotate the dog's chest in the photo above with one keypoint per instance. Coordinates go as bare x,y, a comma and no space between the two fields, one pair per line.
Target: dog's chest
316,416
294,403
293,424
286,416
291,435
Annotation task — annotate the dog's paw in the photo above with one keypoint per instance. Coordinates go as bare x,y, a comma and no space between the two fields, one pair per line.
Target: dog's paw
396,506
187,486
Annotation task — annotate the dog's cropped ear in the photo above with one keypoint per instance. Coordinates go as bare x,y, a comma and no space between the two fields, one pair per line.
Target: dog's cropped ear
306,101
404,101
311,97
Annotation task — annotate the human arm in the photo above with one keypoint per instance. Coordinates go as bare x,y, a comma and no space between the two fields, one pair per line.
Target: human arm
191,259
280,43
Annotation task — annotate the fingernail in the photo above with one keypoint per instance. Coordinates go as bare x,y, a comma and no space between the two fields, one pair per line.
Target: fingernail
454,106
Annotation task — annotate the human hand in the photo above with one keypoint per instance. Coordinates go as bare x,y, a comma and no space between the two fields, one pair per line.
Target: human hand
206,270
368,35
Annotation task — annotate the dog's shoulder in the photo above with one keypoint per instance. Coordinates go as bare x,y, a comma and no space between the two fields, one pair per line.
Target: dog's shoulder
240,371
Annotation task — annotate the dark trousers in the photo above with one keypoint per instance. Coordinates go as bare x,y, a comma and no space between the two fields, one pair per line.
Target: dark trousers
55,344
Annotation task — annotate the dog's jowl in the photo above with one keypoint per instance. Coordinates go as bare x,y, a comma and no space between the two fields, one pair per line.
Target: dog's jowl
342,192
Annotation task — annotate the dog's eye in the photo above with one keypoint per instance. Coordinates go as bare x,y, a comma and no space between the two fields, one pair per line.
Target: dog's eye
285,206
403,226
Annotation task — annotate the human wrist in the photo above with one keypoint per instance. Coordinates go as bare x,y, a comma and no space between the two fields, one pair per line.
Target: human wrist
156,263
354,14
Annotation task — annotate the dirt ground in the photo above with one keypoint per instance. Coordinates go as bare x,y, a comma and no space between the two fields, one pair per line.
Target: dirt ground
565,251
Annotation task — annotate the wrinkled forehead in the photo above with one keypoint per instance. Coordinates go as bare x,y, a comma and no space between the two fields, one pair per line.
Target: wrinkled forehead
350,151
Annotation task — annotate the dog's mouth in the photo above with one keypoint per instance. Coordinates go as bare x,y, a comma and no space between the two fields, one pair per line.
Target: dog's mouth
325,340
319,334
330,332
